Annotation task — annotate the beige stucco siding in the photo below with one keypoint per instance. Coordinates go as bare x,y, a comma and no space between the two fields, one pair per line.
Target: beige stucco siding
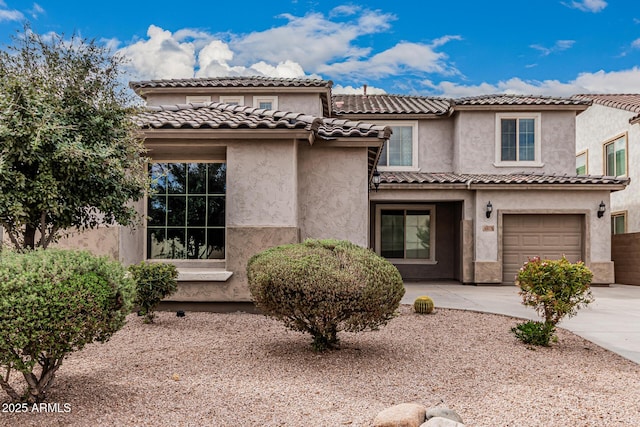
333,192
488,250
262,184
300,103
435,153
475,139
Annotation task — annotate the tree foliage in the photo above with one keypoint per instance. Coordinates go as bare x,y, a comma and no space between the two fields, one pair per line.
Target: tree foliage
71,156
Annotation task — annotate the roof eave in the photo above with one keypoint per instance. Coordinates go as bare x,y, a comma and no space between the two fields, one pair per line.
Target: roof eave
528,107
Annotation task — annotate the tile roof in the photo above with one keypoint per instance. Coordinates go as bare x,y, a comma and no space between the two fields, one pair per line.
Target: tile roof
390,104
255,81
511,100
496,179
226,116
628,102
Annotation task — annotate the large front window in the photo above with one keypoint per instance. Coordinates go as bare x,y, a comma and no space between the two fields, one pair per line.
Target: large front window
186,211
518,139
400,151
406,232
616,157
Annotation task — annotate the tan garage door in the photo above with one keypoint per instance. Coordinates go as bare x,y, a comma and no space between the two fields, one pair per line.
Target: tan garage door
546,236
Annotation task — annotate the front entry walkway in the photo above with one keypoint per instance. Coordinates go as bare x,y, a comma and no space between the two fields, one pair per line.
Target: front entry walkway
612,321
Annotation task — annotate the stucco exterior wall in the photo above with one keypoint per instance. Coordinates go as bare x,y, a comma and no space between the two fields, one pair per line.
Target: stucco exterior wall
307,103
597,243
435,153
262,184
333,196
598,125
475,136
102,241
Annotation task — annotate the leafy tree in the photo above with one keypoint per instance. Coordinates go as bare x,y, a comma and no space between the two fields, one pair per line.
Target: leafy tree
70,154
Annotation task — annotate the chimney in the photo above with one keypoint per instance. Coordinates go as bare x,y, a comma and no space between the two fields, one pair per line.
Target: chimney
364,88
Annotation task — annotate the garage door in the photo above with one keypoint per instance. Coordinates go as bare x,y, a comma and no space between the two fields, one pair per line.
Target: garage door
546,236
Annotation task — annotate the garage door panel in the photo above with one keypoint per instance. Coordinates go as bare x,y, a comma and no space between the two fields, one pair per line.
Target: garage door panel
545,236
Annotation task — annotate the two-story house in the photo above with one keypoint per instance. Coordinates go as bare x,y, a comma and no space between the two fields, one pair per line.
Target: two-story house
446,189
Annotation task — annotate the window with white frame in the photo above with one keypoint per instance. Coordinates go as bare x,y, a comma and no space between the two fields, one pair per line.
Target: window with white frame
518,139
406,232
400,152
186,211
618,222
582,163
198,98
615,156
266,102
232,100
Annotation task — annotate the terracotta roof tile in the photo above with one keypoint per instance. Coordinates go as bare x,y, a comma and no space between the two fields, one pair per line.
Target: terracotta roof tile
489,179
226,116
504,99
389,104
255,81
628,102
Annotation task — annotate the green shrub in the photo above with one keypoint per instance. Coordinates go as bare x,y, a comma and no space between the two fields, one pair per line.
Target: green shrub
154,281
325,286
536,333
53,302
554,288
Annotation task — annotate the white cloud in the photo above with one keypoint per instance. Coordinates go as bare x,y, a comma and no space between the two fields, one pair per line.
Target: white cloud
36,11
161,56
635,44
311,45
587,5
558,46
10,15
625,81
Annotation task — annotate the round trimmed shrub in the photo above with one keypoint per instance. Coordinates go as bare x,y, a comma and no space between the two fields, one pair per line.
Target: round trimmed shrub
325,286
154,281
54,302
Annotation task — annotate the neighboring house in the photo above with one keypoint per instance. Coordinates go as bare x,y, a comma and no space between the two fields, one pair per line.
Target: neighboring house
470,188
607,141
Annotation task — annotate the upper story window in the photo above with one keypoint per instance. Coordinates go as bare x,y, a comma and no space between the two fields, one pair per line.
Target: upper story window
266,102
615,153
582,163
198,98
232,100
186,211
518,139
401,151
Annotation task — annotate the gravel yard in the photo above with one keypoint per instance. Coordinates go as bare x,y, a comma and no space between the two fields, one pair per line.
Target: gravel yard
238,369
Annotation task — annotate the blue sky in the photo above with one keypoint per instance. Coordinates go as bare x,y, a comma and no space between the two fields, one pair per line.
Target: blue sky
457,48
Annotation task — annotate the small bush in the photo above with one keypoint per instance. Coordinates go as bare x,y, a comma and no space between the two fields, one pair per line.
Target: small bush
325,286
554,288
535,333
54,302
154,281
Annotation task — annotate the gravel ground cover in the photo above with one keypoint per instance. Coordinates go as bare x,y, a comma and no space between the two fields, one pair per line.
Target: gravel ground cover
238,369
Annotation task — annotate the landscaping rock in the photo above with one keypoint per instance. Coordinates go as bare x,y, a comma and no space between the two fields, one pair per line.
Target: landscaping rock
441,422
402,415
443,412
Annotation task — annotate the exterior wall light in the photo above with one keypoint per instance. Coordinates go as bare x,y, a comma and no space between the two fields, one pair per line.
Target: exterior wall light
601,209
489,209
376,179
